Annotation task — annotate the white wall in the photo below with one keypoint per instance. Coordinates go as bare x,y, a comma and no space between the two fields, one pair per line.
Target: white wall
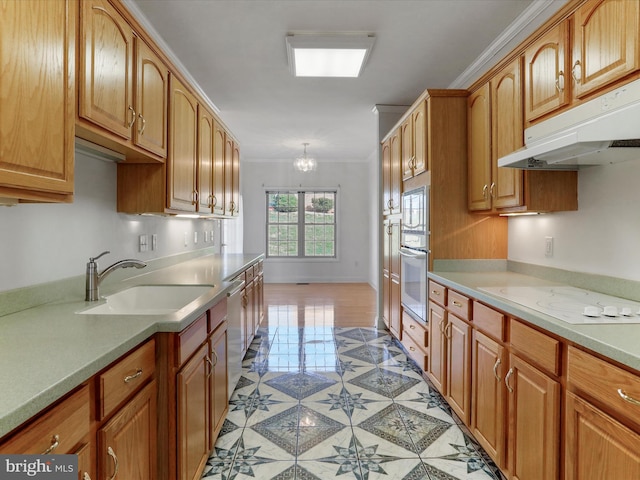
602,237
46,242
355,193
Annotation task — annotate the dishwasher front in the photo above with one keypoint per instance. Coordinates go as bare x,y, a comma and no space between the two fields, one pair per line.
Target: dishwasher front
235,333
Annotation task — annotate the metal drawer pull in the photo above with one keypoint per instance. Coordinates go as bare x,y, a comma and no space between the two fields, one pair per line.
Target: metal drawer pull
85,476
506,380
627,398
144,124
457,304
215,357
412,349
208,360
495,369
412,327
55,441
112,454
133,116
435,292
128,378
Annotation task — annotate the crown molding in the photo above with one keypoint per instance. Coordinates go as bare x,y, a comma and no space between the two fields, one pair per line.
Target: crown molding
538,12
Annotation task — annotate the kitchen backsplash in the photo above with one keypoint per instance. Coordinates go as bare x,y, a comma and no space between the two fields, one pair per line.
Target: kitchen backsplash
42,243
602,237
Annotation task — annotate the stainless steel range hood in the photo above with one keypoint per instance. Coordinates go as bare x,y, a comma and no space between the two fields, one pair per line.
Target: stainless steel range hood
598,132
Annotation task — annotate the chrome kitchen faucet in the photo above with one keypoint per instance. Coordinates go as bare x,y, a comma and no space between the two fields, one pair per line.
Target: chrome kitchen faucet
94,278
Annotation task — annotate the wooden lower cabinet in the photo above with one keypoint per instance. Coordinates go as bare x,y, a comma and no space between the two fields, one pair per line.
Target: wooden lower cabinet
458,354
127,442
596,445
534,422
193,414
437,347
218,382
488,405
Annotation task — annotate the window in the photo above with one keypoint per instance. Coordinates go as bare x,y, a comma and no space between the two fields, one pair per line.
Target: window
301,224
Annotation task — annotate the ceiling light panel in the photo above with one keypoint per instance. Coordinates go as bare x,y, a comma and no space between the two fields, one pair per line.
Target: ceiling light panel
328,55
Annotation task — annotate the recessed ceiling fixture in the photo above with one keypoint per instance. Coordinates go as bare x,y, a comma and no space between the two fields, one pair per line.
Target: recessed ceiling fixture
304,163
328,55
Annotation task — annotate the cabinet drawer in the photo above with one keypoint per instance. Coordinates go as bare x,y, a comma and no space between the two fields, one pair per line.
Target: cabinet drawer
217,314
416,330
65,424
489,321
605,382
417,353
126,377
248,274
536,346
190,339
459,305
437,293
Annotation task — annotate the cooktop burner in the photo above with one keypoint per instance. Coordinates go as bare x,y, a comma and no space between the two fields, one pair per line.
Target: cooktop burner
570,304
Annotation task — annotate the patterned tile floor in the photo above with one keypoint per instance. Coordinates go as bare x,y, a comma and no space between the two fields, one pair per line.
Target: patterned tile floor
323,402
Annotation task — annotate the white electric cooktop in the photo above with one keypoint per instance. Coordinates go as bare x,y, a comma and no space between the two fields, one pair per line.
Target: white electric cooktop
570,304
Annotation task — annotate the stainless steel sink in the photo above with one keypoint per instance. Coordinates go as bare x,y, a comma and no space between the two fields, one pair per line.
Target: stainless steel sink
149,300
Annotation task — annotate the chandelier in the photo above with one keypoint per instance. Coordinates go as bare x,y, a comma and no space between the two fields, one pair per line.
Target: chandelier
304,163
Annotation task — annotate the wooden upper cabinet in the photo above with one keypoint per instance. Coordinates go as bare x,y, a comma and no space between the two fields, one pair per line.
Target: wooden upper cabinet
396,172
546,73
386,176
414,142
219,139
479,149
506,135
151,105
106,68
205,159
182,161
235,179
605,43
228,175
37,99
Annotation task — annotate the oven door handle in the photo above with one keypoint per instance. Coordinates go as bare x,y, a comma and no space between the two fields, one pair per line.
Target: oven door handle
412,253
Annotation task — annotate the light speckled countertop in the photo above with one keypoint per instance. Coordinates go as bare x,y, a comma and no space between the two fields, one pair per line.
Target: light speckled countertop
620,342
48,350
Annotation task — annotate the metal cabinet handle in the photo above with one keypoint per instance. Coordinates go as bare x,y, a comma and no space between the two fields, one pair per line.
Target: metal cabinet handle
85,476
412,327
55,441
412,349
506,380
112,454
449,327
457,304
485,191
495,369
194,197
133,116
211,365
215,201
129,378
435,292
144,124
560,82
440,326
576,71
627,398
492,189
215,358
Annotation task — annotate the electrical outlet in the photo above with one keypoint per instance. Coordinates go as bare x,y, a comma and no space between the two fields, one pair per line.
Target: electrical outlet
195,237
548,246
142,243
186,239
154,241
206,236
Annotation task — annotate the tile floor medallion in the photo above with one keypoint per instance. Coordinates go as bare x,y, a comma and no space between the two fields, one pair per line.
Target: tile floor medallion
346,403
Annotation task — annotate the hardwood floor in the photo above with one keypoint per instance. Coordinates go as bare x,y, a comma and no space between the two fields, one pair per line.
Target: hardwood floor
320,304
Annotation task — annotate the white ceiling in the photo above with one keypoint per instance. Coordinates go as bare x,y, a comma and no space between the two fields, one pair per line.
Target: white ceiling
235,50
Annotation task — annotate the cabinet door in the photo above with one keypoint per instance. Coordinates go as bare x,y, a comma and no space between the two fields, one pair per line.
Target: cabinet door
235,180
386,273
437,346
506,135
406,141
534,422
396,171
247,307
219,141
546,67
395,319
181,164
205,160
488,412
228,176
152,96
218,382
106,68
458,351
37,97
86,469
479,149
193,414
127,444
419,120
605,43
596,445
386,177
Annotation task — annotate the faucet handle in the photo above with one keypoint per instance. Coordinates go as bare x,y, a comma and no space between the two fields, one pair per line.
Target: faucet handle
93,259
